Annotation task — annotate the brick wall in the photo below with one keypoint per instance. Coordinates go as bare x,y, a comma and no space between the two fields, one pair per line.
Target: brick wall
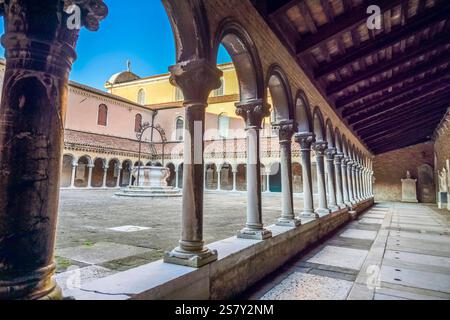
391,167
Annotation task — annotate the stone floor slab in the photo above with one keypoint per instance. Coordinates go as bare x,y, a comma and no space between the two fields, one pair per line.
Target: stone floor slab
340,257
418,258
303,286
359,234
128,229
100,252
371,221
75,277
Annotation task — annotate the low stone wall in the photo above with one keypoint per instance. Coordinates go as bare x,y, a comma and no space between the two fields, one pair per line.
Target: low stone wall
240,265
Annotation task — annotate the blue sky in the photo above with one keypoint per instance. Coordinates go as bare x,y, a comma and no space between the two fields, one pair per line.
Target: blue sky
138,30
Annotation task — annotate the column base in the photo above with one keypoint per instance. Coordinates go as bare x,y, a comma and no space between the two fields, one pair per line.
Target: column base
308,215
190,259
31,288
286,222
334,208
252,234
322,212
342,206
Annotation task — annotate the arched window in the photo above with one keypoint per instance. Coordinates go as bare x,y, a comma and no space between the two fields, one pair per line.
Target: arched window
102,119
138,123
141,97
179,129
219,92
178,95
224,125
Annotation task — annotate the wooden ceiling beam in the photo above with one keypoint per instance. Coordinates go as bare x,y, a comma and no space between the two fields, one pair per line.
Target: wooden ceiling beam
398,61
407,88
431,98
343,23
420,22
401,77
409,95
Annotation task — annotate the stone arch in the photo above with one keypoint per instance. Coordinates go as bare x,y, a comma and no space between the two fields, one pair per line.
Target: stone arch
319,125
280,91
226,176
113,172
190,28
97,172
240,46
171,180
66,171
241,177
329,131
297,177
302,113
211,176
125,174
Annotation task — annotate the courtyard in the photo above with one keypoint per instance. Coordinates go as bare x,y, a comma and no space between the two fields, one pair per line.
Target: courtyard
102,234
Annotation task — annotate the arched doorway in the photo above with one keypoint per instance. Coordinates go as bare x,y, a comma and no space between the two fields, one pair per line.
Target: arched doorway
171,180
425,183
97,173
82,172
211,177
297,181
66,172
226,177
113,173
241,181
125,174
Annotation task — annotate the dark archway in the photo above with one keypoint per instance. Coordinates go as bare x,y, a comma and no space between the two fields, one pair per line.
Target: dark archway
82,172
66,171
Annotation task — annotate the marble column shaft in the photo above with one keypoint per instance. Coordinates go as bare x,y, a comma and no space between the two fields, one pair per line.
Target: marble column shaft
339,184
329,156
319,148
305,140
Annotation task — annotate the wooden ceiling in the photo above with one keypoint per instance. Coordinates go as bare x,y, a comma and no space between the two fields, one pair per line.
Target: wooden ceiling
391,86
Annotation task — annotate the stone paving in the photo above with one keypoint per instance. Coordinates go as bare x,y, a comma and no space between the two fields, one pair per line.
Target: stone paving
99,234
394,251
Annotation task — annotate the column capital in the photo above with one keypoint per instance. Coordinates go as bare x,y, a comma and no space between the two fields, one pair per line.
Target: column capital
320,147
196,79
74,163
90,166
105,168
92,11
305,139
339,157
330,153
286,130
253,112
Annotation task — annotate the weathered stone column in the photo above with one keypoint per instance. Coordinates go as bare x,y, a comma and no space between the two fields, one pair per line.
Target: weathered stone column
268,173
345,183
253,112
90,168
219,178
130,178
338,171
285,133
306,140
351,193
365,192
329,155
319,148
358,181
40,49
74,172
177,176
119,169
354,185
105,175
196,79
234,179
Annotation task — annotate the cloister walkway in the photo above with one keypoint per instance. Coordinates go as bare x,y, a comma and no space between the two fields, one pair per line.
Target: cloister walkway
393,251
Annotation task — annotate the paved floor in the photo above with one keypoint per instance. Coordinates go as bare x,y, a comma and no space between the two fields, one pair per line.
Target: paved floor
99,234
393,251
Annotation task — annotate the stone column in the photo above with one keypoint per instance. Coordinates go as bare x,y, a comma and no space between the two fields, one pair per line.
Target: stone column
365,184
351,193
285,133
130,178
268,172
253,113
196,79
234,179
320,148
219,178
338,171
329,154
177,176
345,183
40,50
359,182
306,140
354,185
105,175
90,167
119,169
74,172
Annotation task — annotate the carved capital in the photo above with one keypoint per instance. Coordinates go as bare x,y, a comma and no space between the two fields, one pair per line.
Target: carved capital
305,139
339,158
196,79
253,112
330,153
286,130
320,147
92,12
